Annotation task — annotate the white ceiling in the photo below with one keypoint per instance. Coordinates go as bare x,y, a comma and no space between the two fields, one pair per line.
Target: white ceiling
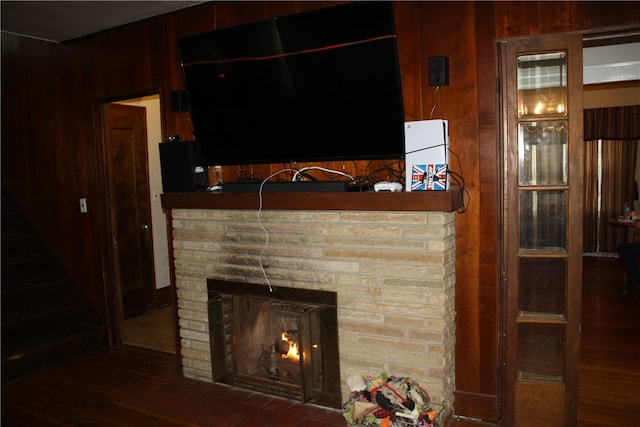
59,21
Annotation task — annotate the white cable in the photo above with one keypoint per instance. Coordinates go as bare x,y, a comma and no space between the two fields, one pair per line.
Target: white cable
266,233
296,175
266,243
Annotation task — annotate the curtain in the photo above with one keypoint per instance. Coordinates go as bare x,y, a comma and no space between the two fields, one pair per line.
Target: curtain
615,123
591,190
618,173
618,130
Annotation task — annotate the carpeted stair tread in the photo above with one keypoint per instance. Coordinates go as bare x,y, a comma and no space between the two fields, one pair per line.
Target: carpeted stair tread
50,309
48,339
29,269
36,323
36,352
37,282
33,293
24,254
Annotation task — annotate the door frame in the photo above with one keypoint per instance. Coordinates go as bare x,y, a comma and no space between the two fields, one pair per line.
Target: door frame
113,300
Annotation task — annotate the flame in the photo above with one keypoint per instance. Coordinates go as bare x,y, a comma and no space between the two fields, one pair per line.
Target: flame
293,352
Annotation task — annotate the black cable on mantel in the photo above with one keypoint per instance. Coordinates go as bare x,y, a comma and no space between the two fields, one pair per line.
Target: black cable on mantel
458,179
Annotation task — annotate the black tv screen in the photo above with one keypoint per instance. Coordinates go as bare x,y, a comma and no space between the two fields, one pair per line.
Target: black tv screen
314,86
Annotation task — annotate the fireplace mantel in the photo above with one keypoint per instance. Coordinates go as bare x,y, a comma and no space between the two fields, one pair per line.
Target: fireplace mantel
421,201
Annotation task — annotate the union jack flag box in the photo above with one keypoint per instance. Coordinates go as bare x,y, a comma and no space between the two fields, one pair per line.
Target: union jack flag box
430,177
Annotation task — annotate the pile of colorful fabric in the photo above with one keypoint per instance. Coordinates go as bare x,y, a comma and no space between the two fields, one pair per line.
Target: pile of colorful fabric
388,401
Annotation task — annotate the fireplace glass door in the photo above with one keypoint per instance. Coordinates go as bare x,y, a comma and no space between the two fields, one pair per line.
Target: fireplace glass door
279,343
274,342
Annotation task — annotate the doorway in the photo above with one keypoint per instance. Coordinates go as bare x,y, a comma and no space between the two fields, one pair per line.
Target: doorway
129,206
142,302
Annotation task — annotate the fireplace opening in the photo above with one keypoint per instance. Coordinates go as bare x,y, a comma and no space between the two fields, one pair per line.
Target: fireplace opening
275,340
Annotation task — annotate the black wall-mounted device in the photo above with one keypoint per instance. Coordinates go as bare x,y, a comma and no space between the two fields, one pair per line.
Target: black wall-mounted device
438,71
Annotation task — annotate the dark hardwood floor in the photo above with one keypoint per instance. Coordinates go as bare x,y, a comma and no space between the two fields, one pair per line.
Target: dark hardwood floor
609,391
138,387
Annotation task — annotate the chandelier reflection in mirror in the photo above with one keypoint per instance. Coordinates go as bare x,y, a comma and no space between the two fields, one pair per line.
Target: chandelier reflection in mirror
540,129
542,84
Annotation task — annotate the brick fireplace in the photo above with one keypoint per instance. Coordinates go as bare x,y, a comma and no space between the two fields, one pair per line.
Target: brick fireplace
393,272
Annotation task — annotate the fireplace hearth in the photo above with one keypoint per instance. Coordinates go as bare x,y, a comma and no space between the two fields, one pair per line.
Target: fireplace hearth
275,340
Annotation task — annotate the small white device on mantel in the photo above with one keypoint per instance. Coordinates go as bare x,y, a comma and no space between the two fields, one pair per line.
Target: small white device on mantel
426,147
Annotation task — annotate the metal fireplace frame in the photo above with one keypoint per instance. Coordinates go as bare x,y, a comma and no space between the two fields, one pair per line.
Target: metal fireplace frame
220,295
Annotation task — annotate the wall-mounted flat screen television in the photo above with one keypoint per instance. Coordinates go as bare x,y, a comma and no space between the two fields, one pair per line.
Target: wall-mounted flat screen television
314,86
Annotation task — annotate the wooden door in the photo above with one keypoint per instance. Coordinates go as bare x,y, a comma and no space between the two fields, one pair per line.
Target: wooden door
129,206
542,228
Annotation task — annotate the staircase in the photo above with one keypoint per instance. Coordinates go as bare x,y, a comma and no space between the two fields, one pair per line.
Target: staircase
45,318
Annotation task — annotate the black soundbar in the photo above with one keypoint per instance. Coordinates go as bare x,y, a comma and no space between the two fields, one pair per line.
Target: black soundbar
286,187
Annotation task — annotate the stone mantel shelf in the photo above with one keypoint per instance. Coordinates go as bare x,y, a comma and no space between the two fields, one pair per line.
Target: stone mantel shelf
422,201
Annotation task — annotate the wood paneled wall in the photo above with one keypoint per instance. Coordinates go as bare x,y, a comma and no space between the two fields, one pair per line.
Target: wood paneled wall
51,149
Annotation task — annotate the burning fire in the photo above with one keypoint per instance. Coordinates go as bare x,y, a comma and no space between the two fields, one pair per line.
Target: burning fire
293,353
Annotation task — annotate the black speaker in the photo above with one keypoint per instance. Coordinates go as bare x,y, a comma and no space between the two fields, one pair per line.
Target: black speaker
438,71
179,102
183,167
